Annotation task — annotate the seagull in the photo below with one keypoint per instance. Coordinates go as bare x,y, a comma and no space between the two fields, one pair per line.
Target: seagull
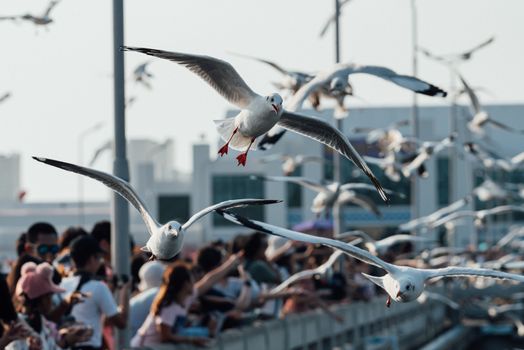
489,190
488,158
387,139
142,76
292,81
166,240
5,97
431,218
331,19
510,236
322,269
381,246
291,163
478,216
402,283
459,57
480,117
258,113
337,80
389,164
42,20
426,151
333,193
425,295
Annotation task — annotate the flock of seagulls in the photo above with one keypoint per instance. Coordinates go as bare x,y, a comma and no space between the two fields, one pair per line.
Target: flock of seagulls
263,120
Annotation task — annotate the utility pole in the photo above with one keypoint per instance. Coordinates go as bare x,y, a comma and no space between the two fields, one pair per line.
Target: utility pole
337,159
119,208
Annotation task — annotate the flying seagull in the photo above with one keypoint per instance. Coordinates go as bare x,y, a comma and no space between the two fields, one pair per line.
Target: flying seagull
478,216
458,57
381,246
402,283
331,19
426,151
5,97
289,162
142,76
258,113
333,193
41,20
166,240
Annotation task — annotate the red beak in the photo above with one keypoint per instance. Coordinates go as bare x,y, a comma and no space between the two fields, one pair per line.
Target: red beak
275,108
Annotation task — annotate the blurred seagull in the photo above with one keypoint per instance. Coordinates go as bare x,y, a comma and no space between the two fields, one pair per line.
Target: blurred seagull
458,57
426,151
334,193
322,269
425,295
402,283
387,139
431,218
106,146
478,216
381,246
142,76
5,97
292,80
258,113
389,164
489,190
487,158
41,20
166,240
480,116
290,163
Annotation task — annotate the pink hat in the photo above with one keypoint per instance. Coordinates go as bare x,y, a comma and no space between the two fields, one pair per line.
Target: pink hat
36,280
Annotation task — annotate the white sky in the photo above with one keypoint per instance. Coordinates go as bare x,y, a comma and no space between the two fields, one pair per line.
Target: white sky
61,85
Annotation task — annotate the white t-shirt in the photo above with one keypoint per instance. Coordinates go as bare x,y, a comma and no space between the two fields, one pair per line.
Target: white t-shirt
91,310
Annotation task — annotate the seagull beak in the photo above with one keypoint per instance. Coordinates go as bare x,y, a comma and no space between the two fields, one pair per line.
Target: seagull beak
275,107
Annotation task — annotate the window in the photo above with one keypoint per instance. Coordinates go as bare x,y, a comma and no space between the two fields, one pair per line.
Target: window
226,187
173,207
443,181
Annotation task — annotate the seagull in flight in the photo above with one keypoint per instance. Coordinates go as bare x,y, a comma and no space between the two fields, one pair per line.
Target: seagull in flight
402,283
39,20
166,240
5,97
290,163
142,76
457,57
426,151
333,193
331,19
478,216
258,113
381,246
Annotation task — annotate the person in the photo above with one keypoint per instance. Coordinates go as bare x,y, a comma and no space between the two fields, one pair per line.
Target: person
166,320
35,288
63,261
41,245
150,280
87,258
256,263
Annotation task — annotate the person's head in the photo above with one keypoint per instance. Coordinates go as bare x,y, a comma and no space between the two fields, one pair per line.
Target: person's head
36,287
42,241
177,285
209,258
150,275
86,254
238,243
101,232
69,235
21,244
255,246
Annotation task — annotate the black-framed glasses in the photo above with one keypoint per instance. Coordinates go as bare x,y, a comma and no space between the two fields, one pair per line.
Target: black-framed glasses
43,249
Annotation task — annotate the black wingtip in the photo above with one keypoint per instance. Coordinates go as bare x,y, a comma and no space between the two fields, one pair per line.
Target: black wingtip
40,159
434,91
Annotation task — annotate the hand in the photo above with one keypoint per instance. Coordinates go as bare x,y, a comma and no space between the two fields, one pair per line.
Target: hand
76,297
15,331
77,333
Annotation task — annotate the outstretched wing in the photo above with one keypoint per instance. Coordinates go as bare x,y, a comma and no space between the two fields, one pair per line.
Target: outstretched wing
227,205
349,249
326,134
118,185
219,74
454,271
302,181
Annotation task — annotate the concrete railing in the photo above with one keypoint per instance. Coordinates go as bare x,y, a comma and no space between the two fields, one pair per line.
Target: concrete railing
366,326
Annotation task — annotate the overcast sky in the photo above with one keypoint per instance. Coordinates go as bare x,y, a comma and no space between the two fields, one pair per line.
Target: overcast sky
61,78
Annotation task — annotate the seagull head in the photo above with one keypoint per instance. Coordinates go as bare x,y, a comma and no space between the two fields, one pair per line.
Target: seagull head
406,290
275,103
167,243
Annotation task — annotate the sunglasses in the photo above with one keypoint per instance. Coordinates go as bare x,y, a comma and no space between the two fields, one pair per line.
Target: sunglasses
43,249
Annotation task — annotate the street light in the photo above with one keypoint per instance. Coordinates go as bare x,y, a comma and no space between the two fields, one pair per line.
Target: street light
81,138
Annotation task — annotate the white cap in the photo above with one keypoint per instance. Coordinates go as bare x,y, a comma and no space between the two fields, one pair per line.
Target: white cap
150,275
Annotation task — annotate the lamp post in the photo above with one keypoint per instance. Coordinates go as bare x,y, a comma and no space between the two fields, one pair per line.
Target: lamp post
119,208
80,148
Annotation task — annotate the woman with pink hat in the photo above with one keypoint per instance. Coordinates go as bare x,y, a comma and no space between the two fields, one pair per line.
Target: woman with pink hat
35,290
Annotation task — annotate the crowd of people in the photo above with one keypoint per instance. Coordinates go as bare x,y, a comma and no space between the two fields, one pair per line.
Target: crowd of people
65,295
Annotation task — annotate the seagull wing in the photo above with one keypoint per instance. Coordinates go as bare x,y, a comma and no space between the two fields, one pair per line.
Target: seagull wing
362,186
226,205
452,217
349,249
321,131
302,181
52,4
501,209
105,147
430,55
269,63
405,81
455,271
479,46
475,104
118,185
219,74
504,126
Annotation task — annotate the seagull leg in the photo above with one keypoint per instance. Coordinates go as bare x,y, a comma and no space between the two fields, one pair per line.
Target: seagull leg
242,157
388,301
223,150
